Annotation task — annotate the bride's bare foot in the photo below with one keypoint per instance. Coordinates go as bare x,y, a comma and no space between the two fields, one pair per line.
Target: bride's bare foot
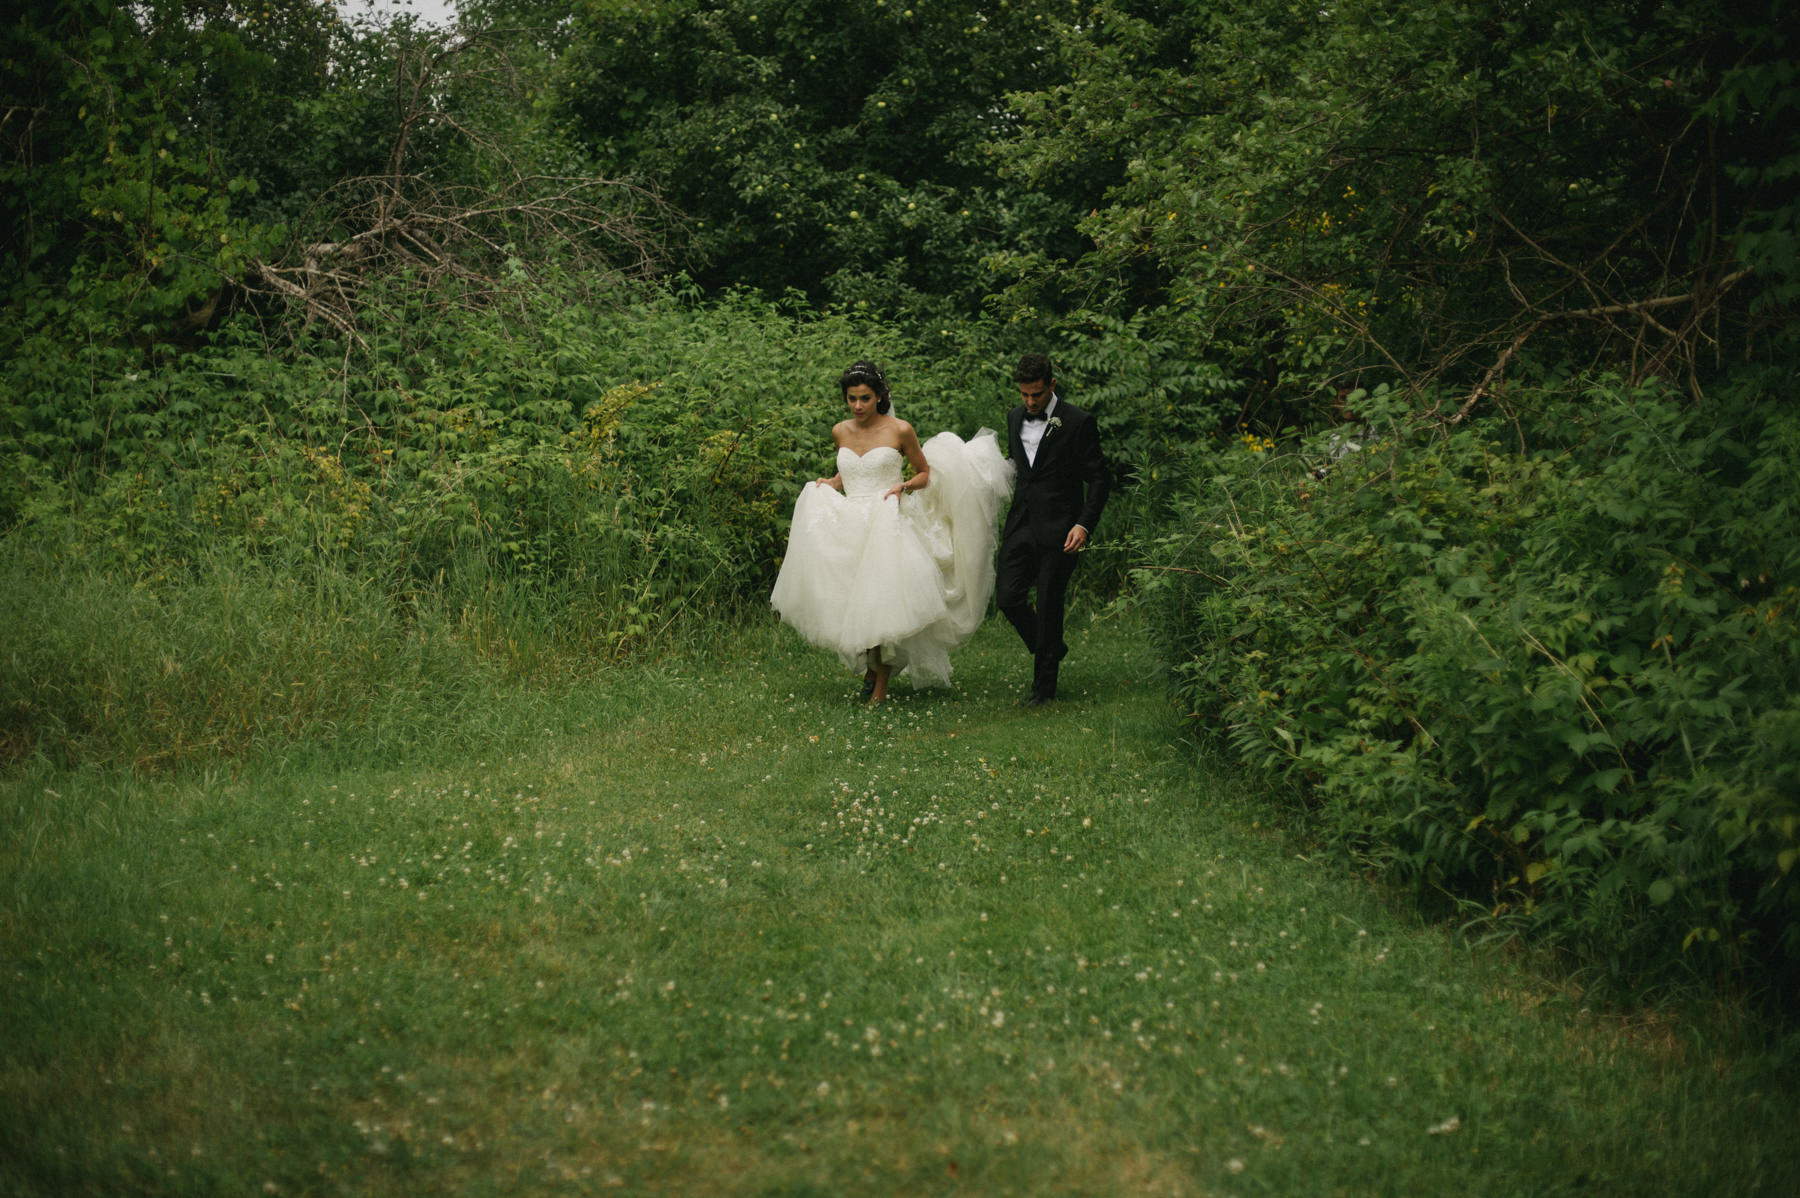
878,693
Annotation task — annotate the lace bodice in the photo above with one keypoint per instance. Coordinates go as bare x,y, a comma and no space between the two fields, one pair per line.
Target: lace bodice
866,477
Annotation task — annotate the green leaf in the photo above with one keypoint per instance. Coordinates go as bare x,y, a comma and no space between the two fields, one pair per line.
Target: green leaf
1606,781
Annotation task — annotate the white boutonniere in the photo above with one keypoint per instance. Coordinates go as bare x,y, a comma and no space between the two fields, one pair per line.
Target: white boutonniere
1050,426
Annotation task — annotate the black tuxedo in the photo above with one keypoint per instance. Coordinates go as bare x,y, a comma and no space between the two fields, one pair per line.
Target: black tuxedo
1066,486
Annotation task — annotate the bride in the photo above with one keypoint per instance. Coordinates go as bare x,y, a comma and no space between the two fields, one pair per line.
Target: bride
890,571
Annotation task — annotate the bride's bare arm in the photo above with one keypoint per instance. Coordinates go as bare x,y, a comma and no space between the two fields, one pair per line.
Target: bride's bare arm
915,456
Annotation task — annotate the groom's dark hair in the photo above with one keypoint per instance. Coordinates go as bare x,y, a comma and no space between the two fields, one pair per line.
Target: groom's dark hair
1033,368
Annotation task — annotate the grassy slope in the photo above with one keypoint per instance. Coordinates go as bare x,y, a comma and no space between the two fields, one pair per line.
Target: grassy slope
681,933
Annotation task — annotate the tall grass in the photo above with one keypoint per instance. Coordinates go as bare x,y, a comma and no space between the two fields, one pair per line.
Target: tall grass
240,659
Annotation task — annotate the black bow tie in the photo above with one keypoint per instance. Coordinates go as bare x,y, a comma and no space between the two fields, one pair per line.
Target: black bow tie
1029,417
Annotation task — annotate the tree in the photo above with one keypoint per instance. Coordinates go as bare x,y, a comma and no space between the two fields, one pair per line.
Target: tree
117,194
1414,192
173,162
841,149
471,201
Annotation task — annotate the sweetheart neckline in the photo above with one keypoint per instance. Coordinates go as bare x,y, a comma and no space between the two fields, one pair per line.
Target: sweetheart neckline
860,456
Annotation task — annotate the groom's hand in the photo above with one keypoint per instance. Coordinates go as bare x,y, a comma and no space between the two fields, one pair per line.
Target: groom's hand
1076,540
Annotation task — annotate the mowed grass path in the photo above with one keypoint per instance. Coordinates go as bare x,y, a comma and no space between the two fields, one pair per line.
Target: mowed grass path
710,928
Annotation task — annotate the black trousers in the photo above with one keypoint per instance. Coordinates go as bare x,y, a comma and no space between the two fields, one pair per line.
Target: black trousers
1023,567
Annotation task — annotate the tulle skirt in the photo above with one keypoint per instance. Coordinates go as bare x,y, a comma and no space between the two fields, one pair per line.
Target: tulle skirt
911,576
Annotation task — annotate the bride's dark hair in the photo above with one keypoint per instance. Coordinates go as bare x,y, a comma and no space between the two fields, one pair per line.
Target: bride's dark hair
866,374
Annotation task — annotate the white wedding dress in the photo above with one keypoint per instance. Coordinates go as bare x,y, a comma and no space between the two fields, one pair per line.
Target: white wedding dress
911,575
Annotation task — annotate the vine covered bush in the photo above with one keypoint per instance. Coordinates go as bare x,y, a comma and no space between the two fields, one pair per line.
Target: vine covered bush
1546,662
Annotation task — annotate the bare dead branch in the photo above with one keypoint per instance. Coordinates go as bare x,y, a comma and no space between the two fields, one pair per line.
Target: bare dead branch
1702,300
459,244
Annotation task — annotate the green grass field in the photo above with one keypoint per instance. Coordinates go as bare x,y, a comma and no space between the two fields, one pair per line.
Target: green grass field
706,927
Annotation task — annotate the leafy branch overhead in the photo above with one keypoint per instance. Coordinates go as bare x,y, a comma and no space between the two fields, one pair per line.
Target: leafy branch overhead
1423,193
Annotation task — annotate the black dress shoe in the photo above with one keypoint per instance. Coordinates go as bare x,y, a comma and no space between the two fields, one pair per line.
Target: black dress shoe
1039,700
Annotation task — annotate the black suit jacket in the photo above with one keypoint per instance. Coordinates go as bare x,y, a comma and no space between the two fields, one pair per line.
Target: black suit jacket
1066,486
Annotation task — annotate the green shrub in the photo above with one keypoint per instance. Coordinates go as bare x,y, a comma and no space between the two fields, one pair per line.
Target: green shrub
1153,400
1548,664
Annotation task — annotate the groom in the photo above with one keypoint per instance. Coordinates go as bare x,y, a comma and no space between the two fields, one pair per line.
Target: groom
1061,487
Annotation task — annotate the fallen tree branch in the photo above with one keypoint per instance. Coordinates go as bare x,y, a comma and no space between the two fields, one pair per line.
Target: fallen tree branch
1701,298
458,244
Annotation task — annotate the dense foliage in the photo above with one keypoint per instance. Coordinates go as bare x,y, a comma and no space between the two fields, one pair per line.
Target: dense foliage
1416,193
1551,666
843,148
1542,662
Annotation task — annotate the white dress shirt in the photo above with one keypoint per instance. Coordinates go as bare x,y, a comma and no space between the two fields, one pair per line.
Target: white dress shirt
1031,432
